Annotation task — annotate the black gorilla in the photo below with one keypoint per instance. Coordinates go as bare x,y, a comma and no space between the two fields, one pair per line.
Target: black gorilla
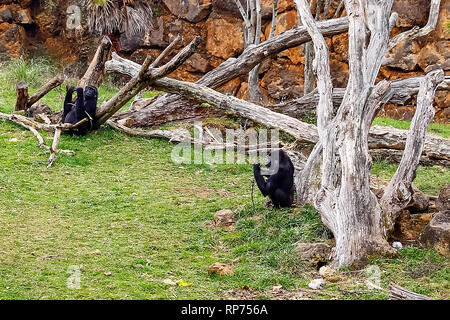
85,106
279,185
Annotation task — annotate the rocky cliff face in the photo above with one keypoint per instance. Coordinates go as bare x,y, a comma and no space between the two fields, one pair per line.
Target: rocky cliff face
39,27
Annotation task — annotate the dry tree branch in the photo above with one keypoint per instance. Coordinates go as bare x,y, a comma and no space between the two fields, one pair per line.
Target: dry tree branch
399,193
338,12
143,79
54,147
24,102
167,51
417,32
274,19
49,86
94,73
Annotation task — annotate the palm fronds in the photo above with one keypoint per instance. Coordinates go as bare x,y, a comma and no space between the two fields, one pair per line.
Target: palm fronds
122,16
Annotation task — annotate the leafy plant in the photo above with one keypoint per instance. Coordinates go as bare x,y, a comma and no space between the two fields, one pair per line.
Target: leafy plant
32,71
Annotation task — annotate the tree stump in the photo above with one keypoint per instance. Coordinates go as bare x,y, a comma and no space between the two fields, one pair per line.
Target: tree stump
22,96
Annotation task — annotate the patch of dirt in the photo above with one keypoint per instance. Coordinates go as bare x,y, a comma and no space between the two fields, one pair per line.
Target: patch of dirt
242,293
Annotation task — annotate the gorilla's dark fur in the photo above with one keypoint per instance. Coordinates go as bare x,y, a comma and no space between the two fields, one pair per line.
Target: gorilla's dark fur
279,185
85,106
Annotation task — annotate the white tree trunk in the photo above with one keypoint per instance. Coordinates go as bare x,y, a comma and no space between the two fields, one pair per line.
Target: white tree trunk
345,201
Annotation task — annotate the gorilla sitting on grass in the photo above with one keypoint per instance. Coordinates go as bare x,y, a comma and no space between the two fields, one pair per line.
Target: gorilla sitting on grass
279,185
85,106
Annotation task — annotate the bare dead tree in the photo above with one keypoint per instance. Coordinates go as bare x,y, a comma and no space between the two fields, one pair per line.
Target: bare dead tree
346,204
341,156
94,74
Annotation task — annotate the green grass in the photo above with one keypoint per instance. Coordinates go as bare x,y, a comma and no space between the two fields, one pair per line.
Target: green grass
120,205
434,128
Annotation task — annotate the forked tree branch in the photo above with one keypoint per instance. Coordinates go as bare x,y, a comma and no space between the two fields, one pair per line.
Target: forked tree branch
399,192
321,65
143,79
417,32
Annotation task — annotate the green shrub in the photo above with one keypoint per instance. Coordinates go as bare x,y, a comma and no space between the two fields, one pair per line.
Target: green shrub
33,71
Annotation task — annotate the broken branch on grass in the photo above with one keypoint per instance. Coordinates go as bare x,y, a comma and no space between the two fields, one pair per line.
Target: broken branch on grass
24,102
54,147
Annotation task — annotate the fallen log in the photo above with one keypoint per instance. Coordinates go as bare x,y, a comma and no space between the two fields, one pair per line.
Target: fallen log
94,73
435,147
403,91
399,293
227,71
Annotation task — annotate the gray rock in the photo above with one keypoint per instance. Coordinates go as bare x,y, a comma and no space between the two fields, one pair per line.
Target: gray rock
420,201
397,245
38,108
443,201
437,234
313,254
224,218
315,284
6,15
192,11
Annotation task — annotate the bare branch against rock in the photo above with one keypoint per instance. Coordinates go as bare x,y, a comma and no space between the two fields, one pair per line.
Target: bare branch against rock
380,137
273,26
143,79
167,51
417,32
338,12
321,66
399,192
253,37
94,74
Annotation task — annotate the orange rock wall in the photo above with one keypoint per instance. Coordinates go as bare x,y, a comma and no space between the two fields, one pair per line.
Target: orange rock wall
38,27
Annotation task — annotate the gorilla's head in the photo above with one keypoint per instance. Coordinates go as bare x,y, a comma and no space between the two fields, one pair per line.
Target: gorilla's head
90,92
